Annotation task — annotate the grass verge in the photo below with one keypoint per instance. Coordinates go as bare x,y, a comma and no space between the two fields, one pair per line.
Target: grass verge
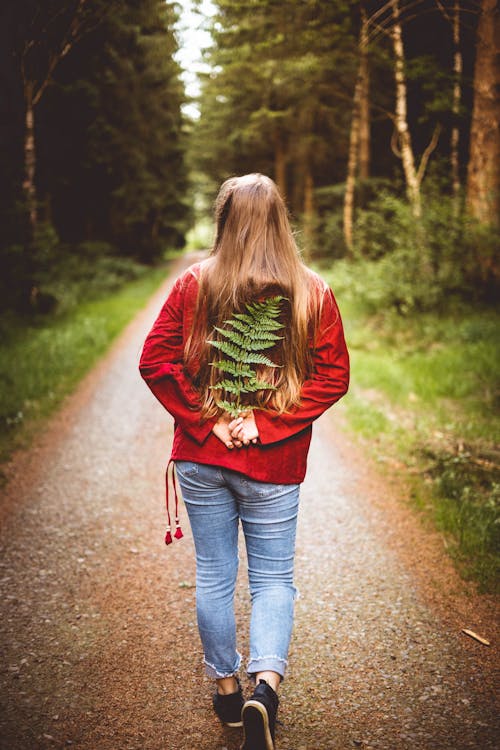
424,398
42,359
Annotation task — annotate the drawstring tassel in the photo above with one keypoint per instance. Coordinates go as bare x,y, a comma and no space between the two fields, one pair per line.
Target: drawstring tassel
178,531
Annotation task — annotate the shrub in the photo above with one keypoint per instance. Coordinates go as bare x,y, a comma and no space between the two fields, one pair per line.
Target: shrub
421,264
85,272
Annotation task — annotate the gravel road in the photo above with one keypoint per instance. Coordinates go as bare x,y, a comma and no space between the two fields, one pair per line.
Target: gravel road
98,634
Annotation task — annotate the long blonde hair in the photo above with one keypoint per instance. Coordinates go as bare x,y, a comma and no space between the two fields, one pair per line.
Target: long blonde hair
255,255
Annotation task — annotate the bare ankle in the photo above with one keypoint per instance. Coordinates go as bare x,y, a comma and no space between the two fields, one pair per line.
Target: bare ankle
227,685
273,679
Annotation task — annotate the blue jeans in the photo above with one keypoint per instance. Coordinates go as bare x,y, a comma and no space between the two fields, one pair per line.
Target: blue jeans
216,499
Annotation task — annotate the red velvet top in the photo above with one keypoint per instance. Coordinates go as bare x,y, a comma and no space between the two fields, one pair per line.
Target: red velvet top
280,455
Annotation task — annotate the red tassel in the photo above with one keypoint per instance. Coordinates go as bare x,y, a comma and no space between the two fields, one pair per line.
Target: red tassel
178,531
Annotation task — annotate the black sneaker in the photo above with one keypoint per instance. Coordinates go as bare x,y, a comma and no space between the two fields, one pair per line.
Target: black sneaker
228,707
259,718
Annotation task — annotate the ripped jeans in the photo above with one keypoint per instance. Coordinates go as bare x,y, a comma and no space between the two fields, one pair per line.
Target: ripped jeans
216,498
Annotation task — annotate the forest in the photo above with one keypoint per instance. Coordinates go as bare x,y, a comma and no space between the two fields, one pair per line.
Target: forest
369,116
379,121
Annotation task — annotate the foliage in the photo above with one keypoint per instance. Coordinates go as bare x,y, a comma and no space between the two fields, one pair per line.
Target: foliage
112,128
62,275
109,140
279,95
424,396
41,363
466,490
329,231
242,340
412,265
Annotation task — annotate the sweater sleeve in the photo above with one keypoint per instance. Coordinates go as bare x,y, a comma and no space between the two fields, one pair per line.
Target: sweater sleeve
328,383
161,366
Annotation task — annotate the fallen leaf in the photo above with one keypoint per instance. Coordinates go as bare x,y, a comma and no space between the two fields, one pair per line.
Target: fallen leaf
475,636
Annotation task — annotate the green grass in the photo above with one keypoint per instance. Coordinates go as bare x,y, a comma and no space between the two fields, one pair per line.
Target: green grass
424,394
43,359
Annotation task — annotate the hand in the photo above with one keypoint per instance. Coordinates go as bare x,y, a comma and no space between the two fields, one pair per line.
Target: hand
221,431
244,430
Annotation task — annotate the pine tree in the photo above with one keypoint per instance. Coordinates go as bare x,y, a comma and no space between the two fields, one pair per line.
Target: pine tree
275,101
112,126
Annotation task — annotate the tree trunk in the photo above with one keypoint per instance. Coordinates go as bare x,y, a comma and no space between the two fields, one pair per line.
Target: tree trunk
352,165
364,103
30,157
483,177
308,212
280,165
359,138
33,90
401,121
457,95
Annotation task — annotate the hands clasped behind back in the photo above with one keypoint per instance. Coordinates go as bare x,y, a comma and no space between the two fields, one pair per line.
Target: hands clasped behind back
236,433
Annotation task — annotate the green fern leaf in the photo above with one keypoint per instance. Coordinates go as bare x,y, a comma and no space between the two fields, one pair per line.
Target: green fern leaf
240,326
230,386
243,339
258,385
244,318
260,343
237,369
231,350
232,409
254,358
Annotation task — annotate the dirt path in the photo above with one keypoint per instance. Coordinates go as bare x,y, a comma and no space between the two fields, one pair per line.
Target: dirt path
98,626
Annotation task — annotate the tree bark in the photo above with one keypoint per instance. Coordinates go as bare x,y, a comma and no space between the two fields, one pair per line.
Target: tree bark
34,86
30,156
352,164
280,165
359,138
457,95
483,176
401,120
308,212
364,103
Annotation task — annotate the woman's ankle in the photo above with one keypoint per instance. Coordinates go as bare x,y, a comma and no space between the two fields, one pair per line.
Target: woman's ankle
273,679
227,685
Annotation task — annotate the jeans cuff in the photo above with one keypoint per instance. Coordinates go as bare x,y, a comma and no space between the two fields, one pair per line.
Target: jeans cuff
218,674
267,664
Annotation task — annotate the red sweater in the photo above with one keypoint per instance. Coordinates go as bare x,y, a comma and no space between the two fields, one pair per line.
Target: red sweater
280,455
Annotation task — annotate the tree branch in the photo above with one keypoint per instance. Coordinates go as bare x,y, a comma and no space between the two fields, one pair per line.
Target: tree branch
407,13
443,10
395,143
428,151
70,37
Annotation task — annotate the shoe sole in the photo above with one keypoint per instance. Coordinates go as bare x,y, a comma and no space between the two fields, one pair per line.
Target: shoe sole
233,723
257,735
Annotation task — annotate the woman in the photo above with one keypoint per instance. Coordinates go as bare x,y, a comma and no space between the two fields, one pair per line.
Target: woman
248,467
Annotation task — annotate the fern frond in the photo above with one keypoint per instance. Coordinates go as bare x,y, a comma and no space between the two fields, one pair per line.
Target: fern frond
245,328
243,339
237,369
234,337
258,359
232,409
230,386
252,386
271,303
231,350
254,342
244,318
265,335
261,343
